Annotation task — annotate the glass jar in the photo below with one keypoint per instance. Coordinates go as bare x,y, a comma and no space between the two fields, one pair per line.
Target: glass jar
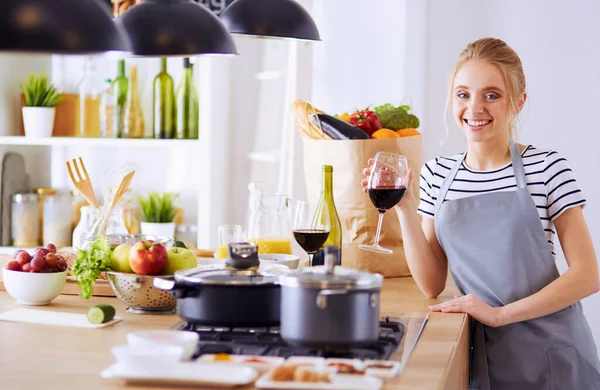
25,220
90,87
42,193
89,216
57,219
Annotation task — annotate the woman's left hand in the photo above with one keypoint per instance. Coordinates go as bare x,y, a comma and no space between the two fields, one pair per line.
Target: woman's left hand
473,306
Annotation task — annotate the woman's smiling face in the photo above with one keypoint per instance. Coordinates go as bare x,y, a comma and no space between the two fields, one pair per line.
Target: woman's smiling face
481,103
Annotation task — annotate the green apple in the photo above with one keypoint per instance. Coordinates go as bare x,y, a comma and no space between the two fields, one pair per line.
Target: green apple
179,258
120,259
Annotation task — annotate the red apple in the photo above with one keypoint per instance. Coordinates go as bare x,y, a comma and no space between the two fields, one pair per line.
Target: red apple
148,259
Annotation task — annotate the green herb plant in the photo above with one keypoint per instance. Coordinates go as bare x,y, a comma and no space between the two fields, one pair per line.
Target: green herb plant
158,207
39,92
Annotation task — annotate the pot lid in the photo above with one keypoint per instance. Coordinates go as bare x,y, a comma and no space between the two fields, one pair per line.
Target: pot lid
339,278
218,275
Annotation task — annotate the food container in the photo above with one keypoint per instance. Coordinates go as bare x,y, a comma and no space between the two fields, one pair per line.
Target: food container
25,220
149,338
57,219
89,216
43,193
238,295
329,306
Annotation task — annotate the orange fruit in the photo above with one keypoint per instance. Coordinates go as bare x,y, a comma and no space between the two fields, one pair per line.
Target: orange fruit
407,132
384,133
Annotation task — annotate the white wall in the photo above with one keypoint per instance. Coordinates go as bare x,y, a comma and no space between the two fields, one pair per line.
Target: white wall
558,43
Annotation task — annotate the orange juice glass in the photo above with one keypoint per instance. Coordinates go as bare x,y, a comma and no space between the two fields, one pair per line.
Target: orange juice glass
227,235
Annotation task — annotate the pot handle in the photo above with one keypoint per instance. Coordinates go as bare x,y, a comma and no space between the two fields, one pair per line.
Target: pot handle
322,297
166,283
179,290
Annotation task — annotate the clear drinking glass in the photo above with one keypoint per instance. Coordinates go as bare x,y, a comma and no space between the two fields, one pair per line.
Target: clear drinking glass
227,235
386,186
311,227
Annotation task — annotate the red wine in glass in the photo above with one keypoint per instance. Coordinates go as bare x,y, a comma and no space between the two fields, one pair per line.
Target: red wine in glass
311,240
386,198
386,186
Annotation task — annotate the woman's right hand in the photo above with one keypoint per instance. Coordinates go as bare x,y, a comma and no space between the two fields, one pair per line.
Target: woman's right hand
407,200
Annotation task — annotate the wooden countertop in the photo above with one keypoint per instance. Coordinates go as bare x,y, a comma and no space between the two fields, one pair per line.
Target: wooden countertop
54,357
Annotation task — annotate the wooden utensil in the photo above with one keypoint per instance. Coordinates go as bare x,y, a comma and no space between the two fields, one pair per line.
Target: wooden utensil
83,184
114,200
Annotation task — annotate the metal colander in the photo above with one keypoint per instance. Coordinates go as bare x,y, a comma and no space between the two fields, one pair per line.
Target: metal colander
139,295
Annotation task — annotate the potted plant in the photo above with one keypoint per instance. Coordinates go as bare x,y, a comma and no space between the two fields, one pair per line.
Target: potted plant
41,99
158,211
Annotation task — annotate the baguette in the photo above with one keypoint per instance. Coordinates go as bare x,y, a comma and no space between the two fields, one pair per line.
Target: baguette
301,111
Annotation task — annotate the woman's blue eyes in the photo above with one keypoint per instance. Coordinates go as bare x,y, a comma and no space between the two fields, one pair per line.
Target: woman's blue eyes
489,96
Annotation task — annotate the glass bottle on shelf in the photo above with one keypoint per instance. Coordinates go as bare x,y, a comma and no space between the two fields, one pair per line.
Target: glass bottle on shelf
120,86
107,111
163,102
187,104
89,89
134,117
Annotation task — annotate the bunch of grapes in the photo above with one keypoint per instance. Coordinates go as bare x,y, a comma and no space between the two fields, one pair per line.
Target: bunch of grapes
43,260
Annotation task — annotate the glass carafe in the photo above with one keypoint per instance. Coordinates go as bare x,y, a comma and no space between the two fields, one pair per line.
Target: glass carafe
268,222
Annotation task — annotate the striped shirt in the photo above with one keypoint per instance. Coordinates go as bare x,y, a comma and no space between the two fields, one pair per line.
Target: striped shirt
549,179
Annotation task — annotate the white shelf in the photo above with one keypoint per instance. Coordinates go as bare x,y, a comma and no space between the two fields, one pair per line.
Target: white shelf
114,142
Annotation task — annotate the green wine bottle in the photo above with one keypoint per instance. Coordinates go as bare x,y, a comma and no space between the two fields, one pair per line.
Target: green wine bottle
335,232
163,100
119,88
187,104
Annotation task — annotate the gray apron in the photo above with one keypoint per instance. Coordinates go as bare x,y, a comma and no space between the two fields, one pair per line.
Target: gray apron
497,250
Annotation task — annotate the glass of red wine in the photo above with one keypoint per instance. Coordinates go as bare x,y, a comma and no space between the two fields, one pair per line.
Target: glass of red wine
386,187
311,227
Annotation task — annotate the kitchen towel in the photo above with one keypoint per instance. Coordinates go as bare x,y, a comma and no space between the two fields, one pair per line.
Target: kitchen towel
47,317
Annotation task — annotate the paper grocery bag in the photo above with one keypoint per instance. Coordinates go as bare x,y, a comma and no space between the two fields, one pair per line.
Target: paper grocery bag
357,214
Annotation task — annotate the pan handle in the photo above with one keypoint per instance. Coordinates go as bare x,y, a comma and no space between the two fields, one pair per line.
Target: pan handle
322,297
178,289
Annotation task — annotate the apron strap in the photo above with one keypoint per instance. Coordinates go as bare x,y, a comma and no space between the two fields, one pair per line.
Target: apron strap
517,163
446,184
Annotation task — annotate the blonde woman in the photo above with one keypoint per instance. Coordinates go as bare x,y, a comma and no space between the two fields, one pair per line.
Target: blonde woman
491,215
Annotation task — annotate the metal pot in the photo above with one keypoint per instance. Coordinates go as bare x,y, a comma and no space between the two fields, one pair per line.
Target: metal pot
328,306
235,296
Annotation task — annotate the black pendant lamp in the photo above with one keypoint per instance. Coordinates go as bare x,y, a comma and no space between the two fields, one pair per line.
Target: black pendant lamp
270,19
163,28
59,26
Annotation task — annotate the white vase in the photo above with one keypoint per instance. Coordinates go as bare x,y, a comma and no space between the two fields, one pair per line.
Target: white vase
166,230
38,121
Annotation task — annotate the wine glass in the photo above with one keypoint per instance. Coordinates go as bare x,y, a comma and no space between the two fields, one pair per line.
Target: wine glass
386,186
311,227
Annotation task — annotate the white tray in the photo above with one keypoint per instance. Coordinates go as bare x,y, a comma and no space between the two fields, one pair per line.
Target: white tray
338,382
187,373
47,317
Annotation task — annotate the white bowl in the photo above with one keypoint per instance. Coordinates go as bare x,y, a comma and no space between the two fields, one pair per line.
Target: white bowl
147,354
150,338
29,288
290,261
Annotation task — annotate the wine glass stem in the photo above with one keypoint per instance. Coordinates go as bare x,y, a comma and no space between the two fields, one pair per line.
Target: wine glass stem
310,259
378,229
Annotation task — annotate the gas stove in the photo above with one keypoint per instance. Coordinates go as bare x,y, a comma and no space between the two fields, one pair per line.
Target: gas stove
268,342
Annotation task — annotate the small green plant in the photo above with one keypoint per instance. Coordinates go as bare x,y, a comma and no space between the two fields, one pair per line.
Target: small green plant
158,207
39,93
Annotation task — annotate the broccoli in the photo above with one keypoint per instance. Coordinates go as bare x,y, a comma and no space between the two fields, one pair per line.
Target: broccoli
396,118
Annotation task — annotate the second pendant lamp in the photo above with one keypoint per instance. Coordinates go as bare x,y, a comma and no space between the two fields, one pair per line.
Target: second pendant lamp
163,28
270,19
